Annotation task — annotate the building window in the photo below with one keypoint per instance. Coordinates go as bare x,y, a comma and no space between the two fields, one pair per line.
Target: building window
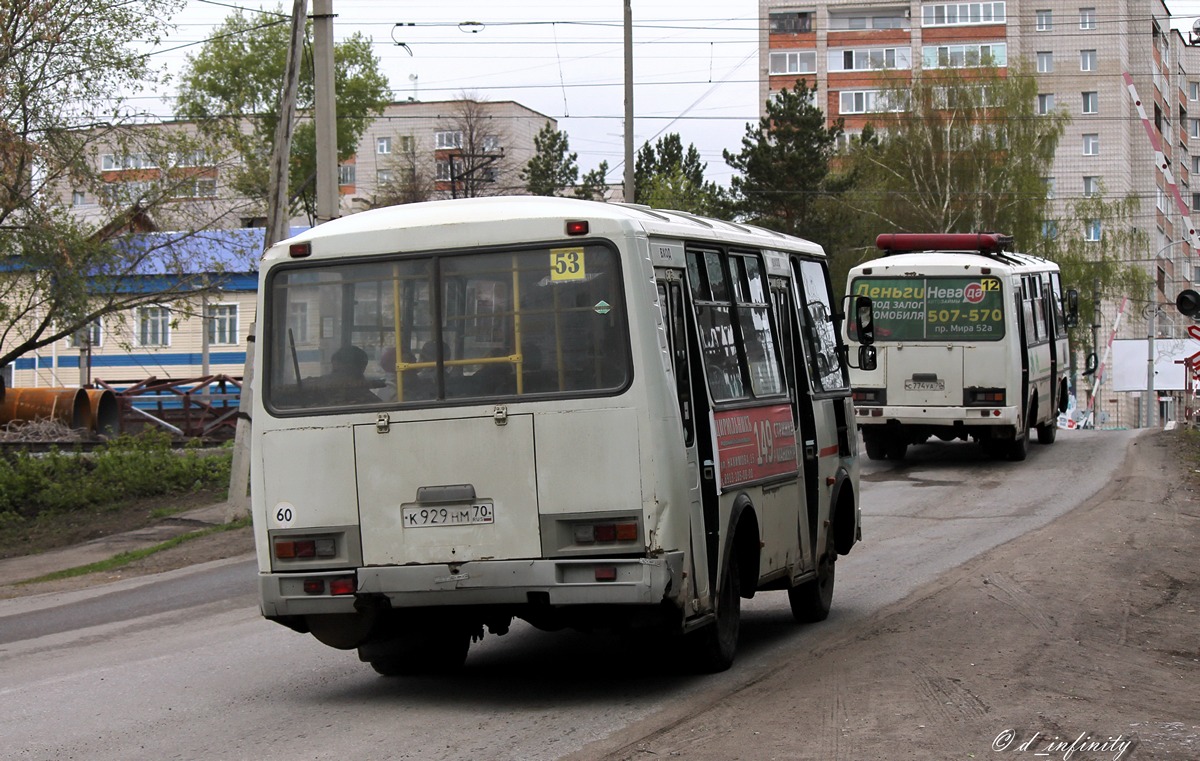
967,55
1045,103
875,59
491,144
78,198
794,62
1045,21
442,171
1195,164
223,324
1045,62
1091,144
1193,90
346,174
448,140
110,162
1193,127
862,19
1091,186
297,321
1087,18
383,176
1087,60
1160,200
962,14
1050,229
91,334
1091,229
195,187
791,23
383,145
154,326
1091,102
1051,186
865,102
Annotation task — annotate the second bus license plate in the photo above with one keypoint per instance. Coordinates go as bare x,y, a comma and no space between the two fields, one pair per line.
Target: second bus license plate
456,515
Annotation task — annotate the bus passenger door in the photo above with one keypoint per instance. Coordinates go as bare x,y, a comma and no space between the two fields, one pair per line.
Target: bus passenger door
828,441
796,377
671,296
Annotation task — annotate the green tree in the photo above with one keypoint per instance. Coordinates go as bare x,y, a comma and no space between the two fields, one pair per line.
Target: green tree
553,166
960,152
593,186
669,177
784,181
232,87
63,67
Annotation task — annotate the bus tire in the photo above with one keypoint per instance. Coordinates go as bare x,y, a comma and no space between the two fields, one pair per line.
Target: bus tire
1047,432
435,652
876,448
811,600
896,448
1018,448
712,648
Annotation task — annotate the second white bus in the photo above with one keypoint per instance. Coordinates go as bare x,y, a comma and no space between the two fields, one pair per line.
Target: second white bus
572,413
971,340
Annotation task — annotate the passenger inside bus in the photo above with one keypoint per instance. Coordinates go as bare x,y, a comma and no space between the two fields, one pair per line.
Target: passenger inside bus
346,383
387,363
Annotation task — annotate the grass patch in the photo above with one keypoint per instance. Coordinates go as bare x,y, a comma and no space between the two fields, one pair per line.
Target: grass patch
125,558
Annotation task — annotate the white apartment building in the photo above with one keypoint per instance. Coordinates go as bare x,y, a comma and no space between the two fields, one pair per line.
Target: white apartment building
1082,51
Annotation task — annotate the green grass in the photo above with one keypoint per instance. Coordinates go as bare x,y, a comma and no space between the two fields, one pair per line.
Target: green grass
125,558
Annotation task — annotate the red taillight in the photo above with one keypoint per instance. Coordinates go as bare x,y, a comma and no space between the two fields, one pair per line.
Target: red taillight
299,250
606,573
314,586
626,532
342,586
577,227
317,547
606,532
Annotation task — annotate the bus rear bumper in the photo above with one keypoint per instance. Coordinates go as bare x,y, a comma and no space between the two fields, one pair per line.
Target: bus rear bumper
935,416
560,581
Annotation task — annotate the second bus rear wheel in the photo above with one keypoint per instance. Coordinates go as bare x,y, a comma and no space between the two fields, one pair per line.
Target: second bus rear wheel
437,651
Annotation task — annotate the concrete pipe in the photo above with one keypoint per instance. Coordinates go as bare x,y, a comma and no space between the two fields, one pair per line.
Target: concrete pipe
68,406
105,411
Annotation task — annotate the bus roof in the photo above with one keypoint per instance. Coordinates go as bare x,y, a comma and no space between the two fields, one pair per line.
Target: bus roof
516,219
951,262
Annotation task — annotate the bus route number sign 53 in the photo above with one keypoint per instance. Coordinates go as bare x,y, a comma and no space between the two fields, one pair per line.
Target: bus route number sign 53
451,515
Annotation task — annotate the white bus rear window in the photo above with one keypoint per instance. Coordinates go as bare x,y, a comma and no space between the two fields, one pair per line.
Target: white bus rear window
935,308
446,328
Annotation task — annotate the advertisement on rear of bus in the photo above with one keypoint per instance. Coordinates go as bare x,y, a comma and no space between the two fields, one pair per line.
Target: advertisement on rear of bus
755,443
935,308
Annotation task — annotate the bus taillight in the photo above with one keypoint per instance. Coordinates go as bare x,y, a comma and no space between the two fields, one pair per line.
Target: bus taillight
975,397
590,533
293,549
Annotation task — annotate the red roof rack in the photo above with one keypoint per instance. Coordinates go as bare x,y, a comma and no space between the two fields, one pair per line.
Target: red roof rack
984,243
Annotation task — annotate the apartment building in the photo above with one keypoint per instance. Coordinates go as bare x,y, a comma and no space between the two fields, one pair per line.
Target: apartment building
414,151
1089,56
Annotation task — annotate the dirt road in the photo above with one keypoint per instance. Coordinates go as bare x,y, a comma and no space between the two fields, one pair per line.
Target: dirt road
1078,641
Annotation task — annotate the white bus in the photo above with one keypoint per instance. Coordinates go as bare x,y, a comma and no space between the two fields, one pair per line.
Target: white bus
971,342
577,414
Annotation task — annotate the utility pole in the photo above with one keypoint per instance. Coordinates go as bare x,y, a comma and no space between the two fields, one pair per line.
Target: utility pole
326,112
238,501
1151,402
629,175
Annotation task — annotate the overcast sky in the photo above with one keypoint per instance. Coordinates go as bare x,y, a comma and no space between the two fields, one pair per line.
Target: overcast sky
695,62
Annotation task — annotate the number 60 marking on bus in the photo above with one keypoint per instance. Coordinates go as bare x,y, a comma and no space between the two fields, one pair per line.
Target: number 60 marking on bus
284,514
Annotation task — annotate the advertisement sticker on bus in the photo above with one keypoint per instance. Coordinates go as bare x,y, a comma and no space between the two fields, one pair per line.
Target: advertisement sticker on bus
935,308
755,443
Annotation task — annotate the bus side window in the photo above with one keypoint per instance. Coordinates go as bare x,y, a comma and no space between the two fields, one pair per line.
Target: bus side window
818,329
670,295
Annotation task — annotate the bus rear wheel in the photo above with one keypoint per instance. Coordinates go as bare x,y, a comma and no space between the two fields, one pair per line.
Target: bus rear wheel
876,446
712,648
811,600
1047,432
434,652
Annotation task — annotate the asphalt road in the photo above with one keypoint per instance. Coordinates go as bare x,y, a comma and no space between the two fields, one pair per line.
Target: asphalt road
182,667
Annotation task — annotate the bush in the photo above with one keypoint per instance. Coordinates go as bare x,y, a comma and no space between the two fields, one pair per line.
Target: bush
125,468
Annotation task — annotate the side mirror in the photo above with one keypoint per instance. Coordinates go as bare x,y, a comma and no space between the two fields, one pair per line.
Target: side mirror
1093,362
1072,308
864,320
867,358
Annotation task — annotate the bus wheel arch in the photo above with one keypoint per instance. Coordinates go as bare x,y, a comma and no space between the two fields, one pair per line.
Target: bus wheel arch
843,514
745,543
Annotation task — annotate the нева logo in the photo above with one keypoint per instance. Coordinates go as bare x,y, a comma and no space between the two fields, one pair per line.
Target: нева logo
973,293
